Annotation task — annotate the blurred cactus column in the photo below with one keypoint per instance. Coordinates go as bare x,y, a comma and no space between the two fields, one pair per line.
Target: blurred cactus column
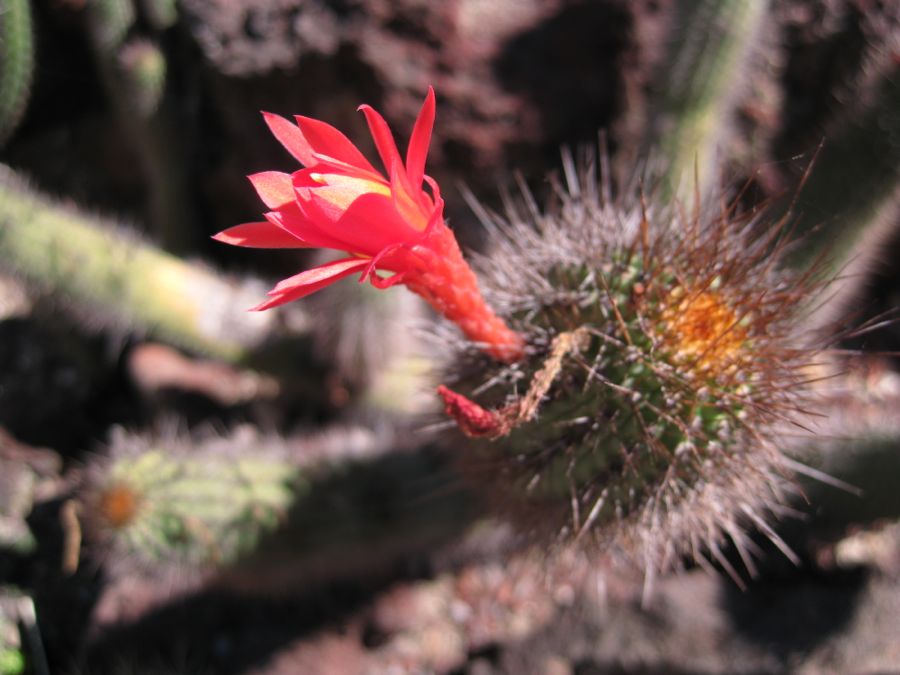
850,205
697,87
134,71
16,63
113,278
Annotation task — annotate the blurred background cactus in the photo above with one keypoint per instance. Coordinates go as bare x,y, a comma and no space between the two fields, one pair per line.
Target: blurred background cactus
17,43
331,523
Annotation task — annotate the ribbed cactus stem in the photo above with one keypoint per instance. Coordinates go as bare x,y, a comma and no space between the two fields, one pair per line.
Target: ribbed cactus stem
697,87
118,278
16,63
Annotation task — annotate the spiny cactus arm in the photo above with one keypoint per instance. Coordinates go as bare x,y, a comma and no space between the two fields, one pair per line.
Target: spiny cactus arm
122,281
16,63
696,91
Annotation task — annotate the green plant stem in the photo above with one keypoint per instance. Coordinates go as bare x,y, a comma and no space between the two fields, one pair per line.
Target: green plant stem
124,281
696,91
125,65
16,63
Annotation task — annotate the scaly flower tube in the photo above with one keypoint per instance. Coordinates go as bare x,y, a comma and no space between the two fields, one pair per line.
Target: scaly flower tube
388,225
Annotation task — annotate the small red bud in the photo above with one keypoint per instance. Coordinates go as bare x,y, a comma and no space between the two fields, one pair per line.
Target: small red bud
472,419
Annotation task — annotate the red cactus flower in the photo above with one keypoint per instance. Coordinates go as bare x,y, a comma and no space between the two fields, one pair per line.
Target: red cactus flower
391,226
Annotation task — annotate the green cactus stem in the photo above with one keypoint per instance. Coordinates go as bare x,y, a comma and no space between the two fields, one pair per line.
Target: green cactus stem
176,507
16,63
134,73
697,89
119,280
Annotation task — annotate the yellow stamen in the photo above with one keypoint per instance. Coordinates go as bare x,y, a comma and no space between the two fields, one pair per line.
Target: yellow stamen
704,329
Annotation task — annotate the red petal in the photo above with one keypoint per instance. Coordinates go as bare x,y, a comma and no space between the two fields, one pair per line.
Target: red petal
383,283
259,235
277,300
368,225
324,162
373,263
324,139
314,279
275,188
336,192
381,134
290,136
294,221
419,142
472,419
405,200
435,189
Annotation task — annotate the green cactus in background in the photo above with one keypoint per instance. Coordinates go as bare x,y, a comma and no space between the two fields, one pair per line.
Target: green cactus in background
16,63
142,68
261,512
696,90
160,14
390,374
134,70
854,183
109,22
167,505
665,353
118,280
12,660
